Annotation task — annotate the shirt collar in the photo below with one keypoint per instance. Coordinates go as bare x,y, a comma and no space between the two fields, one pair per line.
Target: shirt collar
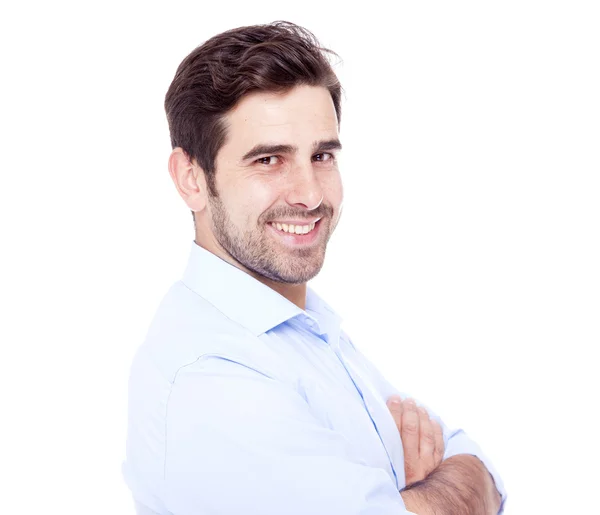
328,321
241,297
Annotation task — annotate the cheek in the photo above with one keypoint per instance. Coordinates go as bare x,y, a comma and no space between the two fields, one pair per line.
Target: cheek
334,190
249,201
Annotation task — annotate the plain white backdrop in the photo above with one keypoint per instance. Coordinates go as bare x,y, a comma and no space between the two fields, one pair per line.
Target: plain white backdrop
465,265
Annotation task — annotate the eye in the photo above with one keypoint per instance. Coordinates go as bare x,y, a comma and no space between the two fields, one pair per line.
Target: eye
269,160
325,156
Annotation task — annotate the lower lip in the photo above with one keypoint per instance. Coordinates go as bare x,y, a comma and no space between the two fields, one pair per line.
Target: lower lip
297,239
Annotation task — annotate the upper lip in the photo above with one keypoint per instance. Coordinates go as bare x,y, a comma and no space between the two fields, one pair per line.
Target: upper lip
297,222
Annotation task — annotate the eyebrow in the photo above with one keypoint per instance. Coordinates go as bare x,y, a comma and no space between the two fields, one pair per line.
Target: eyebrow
262,149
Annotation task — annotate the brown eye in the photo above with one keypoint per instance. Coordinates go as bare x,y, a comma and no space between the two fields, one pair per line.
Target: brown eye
325,156
267,160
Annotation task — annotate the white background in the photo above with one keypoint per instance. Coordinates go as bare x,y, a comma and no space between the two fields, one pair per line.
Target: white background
465,265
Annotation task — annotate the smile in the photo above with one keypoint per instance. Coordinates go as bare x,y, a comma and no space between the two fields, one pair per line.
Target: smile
294,229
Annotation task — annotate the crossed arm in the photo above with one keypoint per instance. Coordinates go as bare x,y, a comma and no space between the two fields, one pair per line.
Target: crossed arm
459,485
238,441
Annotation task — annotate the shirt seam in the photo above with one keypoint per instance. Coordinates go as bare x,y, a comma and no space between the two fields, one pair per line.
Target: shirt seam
167,410
204,355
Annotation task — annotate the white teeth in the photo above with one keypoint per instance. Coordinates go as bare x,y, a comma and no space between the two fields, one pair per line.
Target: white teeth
294,229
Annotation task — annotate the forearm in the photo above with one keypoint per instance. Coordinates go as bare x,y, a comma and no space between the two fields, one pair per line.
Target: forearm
461,485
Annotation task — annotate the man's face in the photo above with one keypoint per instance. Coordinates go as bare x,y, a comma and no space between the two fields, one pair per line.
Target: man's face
277,172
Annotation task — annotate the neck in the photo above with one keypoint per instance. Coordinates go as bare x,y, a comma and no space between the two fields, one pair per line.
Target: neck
295,293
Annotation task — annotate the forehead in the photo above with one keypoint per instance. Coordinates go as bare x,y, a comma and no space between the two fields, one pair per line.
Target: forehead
299,116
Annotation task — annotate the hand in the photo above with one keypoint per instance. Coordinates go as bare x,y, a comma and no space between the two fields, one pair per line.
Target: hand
422,438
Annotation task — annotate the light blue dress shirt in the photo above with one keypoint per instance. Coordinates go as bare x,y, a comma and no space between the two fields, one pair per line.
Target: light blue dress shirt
240,402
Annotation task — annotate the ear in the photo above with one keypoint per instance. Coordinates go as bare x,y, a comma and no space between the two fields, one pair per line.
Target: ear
189,179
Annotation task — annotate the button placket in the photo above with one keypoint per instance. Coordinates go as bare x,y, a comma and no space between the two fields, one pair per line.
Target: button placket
366,395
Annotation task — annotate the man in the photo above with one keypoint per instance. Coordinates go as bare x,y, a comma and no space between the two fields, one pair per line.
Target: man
246,396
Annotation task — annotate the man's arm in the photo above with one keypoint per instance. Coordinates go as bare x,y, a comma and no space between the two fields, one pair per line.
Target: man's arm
240,441
461,485
456,442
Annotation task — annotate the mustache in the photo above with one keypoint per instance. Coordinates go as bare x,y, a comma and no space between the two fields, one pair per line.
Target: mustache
320,212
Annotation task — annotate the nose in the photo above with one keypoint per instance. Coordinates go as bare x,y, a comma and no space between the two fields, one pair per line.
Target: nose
304,190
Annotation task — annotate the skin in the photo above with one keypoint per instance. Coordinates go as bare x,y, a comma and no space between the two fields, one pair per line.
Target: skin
302,184
422,438
457,485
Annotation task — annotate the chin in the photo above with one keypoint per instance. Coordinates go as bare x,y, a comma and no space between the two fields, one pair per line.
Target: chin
302,276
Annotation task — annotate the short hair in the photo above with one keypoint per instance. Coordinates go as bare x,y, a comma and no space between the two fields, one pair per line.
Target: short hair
213,78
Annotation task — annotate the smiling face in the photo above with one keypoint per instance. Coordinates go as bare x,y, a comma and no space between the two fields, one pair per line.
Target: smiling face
279,188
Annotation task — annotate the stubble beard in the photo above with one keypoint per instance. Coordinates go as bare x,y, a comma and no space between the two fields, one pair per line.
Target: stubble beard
257,252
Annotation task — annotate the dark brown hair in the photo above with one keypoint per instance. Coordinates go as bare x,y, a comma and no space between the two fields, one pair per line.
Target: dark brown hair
216,75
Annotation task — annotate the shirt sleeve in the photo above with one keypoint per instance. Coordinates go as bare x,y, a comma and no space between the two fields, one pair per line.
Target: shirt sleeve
239,441
456,441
